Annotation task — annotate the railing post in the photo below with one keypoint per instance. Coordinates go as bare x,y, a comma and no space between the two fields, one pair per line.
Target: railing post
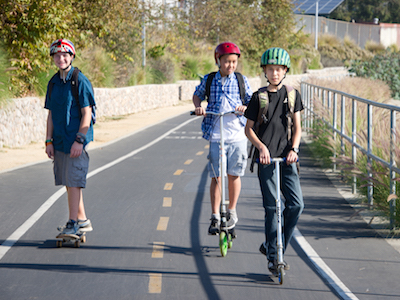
343,125
392,164
369,151
354,141
334,129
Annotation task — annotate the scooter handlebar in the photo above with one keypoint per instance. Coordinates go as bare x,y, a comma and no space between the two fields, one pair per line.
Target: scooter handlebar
280,159
192,113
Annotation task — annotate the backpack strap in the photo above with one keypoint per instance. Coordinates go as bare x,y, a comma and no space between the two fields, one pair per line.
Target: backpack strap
263,102
75,84
208,84
242,87
291,98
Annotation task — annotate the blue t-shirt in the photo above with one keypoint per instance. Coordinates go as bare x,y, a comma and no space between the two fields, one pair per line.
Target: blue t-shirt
65,111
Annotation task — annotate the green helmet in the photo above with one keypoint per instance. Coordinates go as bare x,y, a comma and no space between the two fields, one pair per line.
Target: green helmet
275,56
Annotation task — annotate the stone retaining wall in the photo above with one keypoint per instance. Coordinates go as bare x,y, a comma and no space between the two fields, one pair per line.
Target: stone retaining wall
23,121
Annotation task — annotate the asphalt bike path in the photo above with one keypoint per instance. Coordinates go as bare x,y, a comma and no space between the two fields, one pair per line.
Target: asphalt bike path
150,213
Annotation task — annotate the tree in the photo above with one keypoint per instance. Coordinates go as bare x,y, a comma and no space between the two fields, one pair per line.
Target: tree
366,10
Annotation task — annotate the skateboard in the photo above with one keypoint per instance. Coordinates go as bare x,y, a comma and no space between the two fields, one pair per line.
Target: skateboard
75,239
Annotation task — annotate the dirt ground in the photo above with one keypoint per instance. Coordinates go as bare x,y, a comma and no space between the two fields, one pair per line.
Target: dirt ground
105,131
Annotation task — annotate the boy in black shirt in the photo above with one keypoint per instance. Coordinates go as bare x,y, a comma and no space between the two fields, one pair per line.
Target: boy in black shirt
274,128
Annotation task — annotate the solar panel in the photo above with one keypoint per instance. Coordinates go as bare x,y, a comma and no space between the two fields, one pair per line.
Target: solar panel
325,7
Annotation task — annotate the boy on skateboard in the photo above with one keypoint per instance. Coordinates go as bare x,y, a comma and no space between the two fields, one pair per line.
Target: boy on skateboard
224,96
274,128
69,130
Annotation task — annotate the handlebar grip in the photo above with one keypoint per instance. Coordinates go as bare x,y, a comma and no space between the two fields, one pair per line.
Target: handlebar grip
192,113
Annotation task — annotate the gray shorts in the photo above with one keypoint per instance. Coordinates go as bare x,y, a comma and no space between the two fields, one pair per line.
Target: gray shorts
236,156
71,172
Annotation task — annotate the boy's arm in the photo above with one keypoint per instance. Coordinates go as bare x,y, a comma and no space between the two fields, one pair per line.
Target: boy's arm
296,137
199,110
76,149
49,136
265,157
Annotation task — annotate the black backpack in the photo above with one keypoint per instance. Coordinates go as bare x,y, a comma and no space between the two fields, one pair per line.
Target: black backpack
242,87
74,89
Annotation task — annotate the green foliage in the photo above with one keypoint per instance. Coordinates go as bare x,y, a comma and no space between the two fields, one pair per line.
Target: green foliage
385,67
4,78
97,66
367,10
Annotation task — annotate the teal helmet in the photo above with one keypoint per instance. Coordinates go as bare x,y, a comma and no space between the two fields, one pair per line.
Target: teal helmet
275,56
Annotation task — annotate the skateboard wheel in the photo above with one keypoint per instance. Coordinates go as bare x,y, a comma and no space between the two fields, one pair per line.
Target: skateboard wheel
83,239
77,244
59,244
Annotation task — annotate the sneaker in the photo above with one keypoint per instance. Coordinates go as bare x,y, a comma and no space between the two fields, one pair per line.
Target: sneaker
263,250
232,220
71,227
214,226
85,225
273,267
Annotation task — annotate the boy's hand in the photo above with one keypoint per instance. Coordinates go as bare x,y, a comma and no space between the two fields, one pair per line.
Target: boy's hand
292,157
265,156
50,151
199,111
241,108
76,150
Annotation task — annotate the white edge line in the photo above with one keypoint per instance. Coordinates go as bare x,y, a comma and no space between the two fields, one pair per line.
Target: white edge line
17,234
322,268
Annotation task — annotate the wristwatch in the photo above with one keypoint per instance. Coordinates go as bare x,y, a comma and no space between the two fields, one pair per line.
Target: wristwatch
296,150
79,139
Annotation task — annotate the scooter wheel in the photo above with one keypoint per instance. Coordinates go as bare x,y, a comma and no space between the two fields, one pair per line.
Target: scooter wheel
230,242
223,243
281,274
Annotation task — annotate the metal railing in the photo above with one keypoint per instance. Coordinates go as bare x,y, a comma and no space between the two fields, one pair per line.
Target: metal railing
334,105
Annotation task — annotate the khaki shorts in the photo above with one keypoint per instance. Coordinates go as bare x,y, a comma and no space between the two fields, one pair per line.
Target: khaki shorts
236,158
71,172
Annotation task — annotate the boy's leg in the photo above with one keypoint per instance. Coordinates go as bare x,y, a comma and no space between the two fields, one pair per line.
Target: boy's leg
234,187
215,195
75,204
236,166
266,175
294,204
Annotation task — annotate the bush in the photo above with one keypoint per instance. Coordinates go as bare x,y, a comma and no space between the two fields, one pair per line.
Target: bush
384,67
5,92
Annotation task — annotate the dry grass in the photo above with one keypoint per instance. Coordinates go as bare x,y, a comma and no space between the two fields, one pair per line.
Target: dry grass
381,131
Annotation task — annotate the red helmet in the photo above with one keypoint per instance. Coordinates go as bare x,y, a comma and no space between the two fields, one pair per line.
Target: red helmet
226,48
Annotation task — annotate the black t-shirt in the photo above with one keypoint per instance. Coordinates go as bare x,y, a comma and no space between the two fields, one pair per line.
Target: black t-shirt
274,133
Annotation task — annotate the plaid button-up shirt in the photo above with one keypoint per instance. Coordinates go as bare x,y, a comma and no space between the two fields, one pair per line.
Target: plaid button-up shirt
230,91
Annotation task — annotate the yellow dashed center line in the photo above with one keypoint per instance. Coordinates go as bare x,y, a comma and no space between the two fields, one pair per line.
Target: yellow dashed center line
158,250
188,162
168,186
163,223
200,153
207,146
155,283
178,172
167,202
